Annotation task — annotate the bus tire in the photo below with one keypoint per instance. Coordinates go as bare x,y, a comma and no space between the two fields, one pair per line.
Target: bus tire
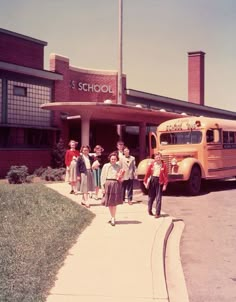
143,188
194,182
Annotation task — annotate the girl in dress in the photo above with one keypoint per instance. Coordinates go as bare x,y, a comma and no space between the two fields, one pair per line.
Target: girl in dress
111,178
97,168
71,157
85,174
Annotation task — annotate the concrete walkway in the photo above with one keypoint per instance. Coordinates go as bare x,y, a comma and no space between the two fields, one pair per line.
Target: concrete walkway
124,263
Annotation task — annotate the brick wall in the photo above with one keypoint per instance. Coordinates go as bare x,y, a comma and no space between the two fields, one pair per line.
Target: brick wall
33,159
16,50
82,85
99,85
92,87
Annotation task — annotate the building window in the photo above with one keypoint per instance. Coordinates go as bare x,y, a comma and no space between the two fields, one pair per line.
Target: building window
25,138
23,104
0,100
19,91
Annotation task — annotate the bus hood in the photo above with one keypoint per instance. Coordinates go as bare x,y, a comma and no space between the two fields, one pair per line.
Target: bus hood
176,152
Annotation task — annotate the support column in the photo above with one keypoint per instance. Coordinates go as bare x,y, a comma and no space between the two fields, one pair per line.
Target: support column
85,128
142,141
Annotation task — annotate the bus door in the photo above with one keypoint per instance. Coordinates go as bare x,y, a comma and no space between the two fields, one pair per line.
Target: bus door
152,139
214,160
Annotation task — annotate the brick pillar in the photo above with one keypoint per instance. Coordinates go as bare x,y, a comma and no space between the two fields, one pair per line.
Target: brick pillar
196,71
61,89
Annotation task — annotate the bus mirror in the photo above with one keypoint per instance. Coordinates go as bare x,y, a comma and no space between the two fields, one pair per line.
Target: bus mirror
198,123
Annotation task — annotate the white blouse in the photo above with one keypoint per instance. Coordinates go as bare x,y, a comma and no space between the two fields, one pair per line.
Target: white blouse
87,162
156,169
109,172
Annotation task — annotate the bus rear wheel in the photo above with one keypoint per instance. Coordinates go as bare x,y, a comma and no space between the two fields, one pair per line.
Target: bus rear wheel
194,182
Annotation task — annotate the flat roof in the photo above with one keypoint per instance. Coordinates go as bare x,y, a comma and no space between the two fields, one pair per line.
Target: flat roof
14,34
174,103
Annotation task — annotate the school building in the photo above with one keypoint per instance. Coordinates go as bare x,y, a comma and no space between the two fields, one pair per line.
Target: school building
38,106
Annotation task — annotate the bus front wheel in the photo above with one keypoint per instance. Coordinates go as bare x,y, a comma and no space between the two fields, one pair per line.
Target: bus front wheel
194,182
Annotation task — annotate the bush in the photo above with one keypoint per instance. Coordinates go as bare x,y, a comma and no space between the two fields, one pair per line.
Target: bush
17,174
39,172
58,154
53,174
29,179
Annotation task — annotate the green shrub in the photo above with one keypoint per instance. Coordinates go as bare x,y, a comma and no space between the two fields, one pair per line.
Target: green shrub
53,174
17,174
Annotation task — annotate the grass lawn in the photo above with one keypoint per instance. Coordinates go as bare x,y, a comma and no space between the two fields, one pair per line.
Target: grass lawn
37,228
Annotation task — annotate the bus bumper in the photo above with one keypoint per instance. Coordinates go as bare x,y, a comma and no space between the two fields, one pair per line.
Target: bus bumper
175,177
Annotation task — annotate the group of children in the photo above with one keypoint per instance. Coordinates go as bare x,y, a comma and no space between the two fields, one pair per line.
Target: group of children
89,173
113,177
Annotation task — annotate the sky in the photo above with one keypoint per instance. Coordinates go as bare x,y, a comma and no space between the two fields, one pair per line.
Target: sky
157,36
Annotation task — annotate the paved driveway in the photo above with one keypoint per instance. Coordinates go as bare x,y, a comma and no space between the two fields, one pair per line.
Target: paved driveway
208,244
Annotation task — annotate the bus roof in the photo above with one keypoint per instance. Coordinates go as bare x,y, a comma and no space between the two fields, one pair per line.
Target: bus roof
194,122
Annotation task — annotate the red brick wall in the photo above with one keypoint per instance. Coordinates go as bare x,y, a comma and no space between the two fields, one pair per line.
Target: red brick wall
101,85
19,51
196,77
67,91
33,159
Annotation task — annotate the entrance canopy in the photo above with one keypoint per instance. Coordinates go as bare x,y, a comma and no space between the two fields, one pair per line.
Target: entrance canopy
113,113
120,114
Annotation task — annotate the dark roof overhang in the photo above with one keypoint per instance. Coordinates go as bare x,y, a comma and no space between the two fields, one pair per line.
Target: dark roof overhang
44,74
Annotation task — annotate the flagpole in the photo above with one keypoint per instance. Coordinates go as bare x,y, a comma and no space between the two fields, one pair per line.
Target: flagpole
120,55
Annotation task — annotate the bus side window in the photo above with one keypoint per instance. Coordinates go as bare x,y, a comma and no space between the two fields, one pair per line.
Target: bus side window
210,136
225,137
231,137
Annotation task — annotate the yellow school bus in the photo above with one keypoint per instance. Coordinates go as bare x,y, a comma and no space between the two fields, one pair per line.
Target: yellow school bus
194,148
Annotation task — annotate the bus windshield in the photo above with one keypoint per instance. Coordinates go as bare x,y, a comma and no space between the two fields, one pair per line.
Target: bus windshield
180,138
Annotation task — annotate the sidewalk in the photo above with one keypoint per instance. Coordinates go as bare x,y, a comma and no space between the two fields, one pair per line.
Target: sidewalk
124,263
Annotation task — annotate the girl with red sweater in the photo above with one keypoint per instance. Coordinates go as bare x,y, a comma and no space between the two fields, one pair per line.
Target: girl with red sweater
71,157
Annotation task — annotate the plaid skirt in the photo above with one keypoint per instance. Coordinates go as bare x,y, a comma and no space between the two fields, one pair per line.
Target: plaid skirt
113,193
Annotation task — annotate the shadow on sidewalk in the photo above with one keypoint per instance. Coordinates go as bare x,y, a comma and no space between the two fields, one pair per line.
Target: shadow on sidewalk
128,222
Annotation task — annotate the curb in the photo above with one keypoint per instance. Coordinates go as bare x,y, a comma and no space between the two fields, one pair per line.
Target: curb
160,290
175,280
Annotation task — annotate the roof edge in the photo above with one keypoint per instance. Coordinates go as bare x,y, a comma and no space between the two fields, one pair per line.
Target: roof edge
14,34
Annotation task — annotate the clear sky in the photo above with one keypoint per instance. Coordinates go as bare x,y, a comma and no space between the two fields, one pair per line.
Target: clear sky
157,35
